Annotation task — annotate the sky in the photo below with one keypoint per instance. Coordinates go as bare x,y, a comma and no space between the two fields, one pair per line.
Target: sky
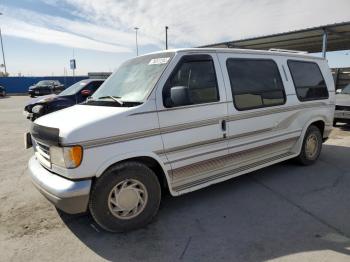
40,35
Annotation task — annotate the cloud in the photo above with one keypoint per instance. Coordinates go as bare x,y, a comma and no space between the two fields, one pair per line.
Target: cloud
107,25
56,30
44,35
194,22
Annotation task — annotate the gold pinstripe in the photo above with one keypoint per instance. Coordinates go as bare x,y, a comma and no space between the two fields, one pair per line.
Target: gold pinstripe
185,126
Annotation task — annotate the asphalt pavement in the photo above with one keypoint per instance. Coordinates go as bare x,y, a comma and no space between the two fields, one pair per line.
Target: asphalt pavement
285,212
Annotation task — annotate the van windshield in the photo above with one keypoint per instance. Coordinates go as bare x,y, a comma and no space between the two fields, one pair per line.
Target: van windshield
73,88
134,79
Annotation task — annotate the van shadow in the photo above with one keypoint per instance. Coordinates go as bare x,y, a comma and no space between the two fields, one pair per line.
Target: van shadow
282,210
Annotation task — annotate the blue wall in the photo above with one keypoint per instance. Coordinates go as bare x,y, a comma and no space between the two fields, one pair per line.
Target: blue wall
21,84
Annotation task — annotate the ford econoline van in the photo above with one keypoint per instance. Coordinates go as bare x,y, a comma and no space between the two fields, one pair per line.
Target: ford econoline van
179,121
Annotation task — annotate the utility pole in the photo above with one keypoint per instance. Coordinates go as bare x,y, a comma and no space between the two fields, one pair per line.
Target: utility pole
137,46
2,49
166,37
324,43
74,64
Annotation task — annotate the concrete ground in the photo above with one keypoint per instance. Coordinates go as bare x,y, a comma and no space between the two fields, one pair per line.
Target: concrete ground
281,213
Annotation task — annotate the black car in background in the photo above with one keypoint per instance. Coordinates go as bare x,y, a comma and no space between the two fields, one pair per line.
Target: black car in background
2,91
74,94
45,87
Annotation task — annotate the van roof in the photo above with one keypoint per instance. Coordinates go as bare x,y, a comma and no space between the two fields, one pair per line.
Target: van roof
289,53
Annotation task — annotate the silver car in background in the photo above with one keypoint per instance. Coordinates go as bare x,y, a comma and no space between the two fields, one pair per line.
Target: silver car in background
342,108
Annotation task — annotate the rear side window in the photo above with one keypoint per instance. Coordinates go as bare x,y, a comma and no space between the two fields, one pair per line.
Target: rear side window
195,75
308,80
255,83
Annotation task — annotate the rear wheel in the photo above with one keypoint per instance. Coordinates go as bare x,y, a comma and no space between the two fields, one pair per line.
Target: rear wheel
311,147
126,197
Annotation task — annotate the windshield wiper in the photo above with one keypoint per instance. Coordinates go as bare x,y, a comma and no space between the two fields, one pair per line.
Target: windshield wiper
115,98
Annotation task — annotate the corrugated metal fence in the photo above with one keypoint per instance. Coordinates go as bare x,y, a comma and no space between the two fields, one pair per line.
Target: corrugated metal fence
21,84
341,77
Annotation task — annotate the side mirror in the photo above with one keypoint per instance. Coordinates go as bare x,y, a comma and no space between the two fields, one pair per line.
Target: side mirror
85,92
179,96
338,91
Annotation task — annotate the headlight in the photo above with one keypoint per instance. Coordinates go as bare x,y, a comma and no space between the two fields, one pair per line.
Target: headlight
37,109
68,157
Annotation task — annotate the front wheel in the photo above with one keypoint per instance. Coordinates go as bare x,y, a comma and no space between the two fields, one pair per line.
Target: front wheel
125,197
311,147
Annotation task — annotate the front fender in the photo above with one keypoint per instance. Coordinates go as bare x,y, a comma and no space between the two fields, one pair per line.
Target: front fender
118,158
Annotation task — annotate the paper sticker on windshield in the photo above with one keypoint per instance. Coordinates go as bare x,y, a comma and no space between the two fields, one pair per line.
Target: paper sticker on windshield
159,61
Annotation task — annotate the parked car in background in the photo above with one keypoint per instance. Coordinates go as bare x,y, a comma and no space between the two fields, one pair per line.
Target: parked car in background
180,121
2,91
342,108
45,87
74,94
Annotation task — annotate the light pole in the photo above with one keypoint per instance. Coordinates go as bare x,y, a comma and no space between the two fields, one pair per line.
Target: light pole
2,48
166,37
137,46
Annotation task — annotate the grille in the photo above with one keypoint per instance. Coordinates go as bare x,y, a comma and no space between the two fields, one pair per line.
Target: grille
43,154
342,108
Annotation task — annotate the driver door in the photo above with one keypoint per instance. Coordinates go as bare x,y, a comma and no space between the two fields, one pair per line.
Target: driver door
192,120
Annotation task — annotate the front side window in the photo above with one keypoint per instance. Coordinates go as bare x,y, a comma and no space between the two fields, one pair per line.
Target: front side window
308,80
193,81
255,83
93,86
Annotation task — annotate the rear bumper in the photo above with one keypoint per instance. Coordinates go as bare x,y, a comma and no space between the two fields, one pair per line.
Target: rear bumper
70,196
39,92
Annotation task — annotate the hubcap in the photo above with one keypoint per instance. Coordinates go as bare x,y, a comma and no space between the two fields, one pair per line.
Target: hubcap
311,146
127,199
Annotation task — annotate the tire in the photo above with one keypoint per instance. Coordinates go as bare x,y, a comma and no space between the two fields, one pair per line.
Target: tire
118,176
309,157
31,95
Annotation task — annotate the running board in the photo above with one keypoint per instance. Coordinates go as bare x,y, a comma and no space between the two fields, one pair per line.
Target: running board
204,182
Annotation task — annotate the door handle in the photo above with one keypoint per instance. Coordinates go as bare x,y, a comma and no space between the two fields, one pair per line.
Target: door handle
223,125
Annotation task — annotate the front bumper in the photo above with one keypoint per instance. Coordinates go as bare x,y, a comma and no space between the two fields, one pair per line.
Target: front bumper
340,114
70,196
28,115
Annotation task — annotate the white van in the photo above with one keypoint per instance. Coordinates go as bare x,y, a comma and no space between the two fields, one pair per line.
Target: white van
179,121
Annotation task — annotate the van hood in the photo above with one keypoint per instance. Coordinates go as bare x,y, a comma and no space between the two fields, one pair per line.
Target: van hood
342,100
85,122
